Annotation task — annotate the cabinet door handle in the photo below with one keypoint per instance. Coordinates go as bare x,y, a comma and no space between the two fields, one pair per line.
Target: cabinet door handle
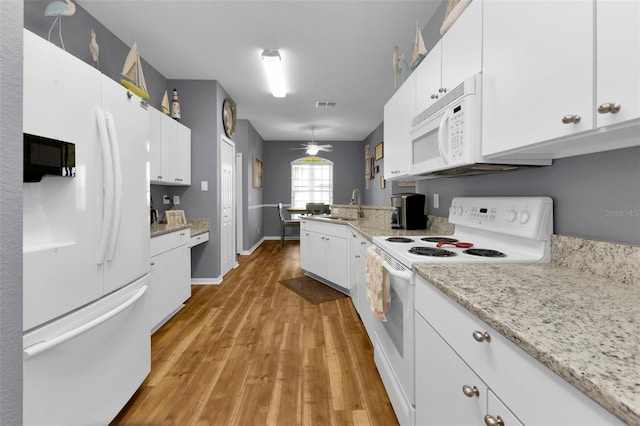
611,107
362,243
442,90
434,96
493,421
479,336
571,118
153,263
470,392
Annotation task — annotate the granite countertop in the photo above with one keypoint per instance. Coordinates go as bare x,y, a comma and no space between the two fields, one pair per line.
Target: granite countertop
582,326
197,227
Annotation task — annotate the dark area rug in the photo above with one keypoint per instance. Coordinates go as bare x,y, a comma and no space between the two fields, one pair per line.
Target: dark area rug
313,291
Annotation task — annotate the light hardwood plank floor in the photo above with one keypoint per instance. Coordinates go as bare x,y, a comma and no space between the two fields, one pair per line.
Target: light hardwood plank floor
251,352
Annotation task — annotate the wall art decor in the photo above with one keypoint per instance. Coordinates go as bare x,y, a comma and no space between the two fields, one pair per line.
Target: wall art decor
379,151
257,173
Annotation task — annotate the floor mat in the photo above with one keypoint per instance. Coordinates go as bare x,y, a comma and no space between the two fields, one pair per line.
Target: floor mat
313,291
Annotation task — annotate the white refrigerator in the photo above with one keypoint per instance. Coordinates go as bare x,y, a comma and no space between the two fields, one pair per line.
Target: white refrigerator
86,243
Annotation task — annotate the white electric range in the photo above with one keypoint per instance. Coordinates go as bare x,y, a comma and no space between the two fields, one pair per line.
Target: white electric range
487,230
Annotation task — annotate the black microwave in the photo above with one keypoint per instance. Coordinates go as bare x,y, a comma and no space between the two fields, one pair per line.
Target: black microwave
45,156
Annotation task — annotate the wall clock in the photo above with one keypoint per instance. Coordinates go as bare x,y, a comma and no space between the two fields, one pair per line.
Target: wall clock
229,117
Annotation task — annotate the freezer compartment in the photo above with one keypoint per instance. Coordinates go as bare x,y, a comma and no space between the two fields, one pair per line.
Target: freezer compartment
83,368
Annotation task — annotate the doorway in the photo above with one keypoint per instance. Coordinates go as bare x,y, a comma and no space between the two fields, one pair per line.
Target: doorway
227,203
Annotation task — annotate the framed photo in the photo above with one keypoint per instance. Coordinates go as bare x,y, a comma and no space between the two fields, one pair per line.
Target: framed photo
175,217
407,183
379,151
257,173
383,183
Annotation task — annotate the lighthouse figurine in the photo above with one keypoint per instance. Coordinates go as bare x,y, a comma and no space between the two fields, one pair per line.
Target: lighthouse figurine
175,106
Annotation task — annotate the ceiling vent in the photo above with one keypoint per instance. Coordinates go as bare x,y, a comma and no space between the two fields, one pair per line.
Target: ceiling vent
320,104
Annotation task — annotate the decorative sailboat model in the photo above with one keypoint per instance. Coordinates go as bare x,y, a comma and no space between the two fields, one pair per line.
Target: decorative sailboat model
132,76
419,50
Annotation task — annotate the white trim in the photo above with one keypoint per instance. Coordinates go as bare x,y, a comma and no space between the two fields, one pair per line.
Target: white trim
252,249
206,281
278,238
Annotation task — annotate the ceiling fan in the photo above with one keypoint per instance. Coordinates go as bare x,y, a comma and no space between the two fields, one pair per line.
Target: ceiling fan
313,148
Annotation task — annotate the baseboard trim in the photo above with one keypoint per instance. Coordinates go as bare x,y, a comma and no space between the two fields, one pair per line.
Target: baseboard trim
252,249
206,281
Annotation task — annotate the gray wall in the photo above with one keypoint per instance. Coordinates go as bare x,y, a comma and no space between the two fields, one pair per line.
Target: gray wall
375,195
587,192
11,14
348,173
250,144
76,33
200,107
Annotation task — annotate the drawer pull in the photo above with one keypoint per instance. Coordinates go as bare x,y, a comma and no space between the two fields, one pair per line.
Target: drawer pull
493,421
479,336
470,392
571,118
612,107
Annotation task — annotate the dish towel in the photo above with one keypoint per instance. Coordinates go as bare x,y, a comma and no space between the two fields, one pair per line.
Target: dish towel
378,293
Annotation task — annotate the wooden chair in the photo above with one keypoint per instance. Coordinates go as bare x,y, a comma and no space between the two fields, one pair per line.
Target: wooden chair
285,223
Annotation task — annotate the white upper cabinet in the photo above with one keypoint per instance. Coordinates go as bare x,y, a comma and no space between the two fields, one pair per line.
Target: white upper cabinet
170,145
429,78
398,113
618,61
560,78
455,57
538,72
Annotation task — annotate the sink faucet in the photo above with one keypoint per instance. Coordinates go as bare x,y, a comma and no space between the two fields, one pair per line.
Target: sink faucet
355,199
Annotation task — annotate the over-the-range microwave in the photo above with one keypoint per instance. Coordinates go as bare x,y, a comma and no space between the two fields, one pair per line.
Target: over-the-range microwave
446,138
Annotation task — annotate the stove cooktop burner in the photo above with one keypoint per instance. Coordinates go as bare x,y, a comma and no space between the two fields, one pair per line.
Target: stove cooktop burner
432,252
439,240
399,240
484,252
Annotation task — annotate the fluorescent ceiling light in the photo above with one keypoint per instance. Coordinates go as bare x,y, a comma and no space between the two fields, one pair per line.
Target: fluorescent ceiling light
273,64
312,149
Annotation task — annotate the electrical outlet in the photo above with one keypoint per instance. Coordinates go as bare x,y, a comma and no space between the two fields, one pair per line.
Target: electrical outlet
436,201
166,200
176,199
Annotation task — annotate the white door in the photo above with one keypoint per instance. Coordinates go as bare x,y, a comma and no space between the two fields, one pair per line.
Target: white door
60,235
127,256
227,243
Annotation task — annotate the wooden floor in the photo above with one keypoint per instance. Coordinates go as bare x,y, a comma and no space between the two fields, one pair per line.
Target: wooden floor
252,352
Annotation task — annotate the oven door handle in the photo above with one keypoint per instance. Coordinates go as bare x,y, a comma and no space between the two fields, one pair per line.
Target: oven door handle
403,275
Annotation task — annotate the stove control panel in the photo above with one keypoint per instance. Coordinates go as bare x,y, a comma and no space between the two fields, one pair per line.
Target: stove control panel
529,217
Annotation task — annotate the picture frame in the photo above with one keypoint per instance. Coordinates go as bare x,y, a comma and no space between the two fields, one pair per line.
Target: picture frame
379,151
383,182
407,183
175,217
257,173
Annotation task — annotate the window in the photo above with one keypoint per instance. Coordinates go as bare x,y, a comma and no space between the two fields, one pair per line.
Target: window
311,181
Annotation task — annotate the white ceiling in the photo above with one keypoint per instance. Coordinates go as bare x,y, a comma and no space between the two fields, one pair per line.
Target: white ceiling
333,50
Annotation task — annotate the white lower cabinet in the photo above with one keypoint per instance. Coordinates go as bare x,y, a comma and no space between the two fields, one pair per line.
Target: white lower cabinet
170,281
358,245
324,251
455,349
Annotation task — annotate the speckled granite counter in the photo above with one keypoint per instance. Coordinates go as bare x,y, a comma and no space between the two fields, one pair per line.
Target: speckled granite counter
580,325
198,227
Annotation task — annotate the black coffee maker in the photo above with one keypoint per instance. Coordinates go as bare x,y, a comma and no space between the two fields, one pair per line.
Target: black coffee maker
408,211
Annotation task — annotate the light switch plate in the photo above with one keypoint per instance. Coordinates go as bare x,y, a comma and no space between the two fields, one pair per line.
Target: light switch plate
176,199
436,201
204,185
166,200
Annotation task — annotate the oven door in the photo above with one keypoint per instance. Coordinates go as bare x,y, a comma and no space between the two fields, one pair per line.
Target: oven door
393,350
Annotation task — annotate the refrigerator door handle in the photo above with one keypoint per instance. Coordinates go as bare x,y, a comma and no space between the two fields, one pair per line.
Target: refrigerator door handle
117,183
107,172
41,347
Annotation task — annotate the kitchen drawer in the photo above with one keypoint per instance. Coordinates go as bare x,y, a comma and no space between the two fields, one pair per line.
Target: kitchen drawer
508,370
166,242
199,239
326,228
